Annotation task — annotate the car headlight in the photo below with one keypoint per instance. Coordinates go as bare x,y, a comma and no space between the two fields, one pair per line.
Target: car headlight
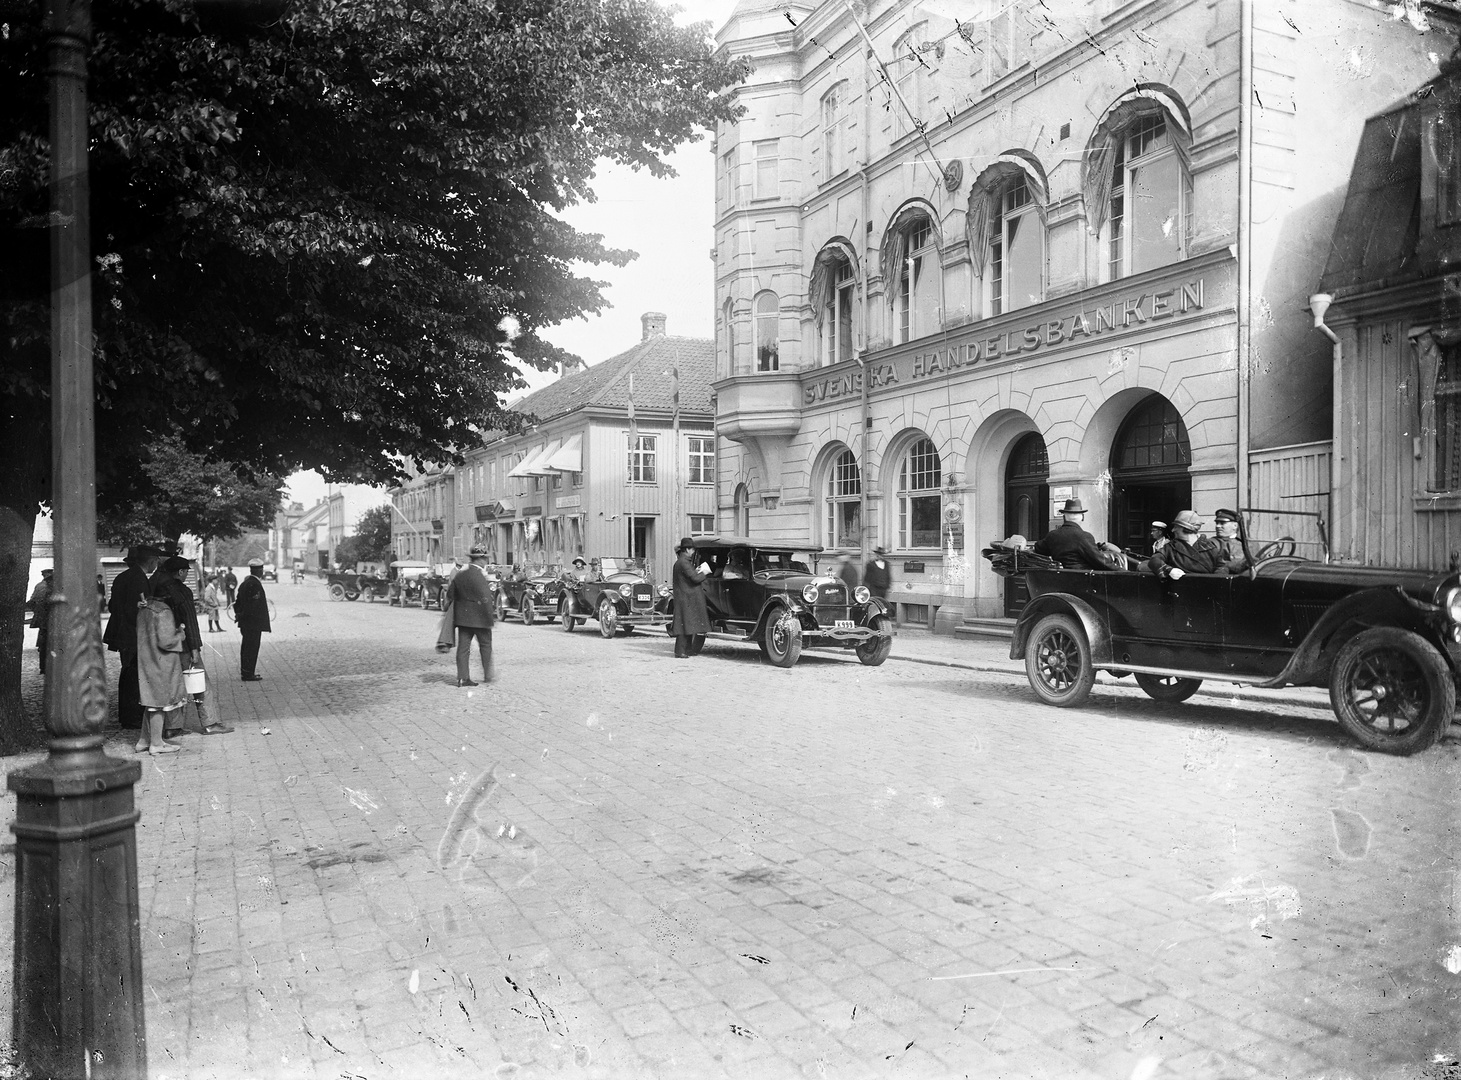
810,593
861,595
664,590
1452,603
625,591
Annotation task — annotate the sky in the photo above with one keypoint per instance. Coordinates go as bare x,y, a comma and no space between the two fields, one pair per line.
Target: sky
669,222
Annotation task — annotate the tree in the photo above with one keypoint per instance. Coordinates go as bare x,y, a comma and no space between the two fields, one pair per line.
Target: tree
188,494
311,239
373,536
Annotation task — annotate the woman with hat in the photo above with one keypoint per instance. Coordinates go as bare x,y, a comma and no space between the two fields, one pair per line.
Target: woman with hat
1189,552
169,585
691,620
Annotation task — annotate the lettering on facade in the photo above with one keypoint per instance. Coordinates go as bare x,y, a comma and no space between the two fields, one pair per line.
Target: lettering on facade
1120,315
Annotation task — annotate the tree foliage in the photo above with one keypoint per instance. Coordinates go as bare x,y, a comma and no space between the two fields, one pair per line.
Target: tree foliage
373,536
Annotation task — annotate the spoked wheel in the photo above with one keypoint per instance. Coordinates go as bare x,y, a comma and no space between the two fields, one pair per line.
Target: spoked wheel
351,595
1392,690
783,639
608,618
565,620
875,650
440,599
1167,687
528,612
501,608
1058,662
337,592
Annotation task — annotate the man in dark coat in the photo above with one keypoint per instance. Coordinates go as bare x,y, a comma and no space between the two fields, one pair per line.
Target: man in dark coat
1070,545
40,618
230,581
878,577
1229,544
1189,552
473,605
691,621
129,589
251,609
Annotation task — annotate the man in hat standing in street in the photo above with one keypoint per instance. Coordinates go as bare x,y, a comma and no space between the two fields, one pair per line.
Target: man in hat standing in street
1071,546
131,587
878,577
251,609
691,621
470,599
1189,552
40,607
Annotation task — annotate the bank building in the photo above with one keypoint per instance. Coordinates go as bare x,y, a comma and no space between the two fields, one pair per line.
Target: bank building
973,259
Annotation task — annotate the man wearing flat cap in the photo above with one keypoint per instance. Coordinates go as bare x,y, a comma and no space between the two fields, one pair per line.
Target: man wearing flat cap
131,587
1071,546
470,598
251,609
1189,551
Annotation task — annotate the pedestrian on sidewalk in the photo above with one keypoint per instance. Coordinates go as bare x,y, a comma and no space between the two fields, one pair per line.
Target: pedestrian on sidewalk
251,609
161,655
129,589
230,582
40,607
878,577
470,599
691,621
169,585
212,604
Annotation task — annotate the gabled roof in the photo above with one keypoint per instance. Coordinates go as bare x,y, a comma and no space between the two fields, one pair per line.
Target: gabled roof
606,384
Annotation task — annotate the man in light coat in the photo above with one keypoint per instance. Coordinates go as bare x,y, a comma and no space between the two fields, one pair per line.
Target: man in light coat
473,603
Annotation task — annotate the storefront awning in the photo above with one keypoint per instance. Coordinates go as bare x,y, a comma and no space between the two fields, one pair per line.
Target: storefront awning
521,469
539,465
569,458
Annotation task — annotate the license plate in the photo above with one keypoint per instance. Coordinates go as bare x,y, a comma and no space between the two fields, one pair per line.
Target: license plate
642,596
842,624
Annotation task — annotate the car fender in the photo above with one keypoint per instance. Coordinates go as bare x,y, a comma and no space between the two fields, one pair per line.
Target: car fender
1360,611
772,609
1097,632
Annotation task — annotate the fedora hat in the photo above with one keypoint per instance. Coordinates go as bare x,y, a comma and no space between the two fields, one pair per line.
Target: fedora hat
1188,519
477,552
686,543
1073,506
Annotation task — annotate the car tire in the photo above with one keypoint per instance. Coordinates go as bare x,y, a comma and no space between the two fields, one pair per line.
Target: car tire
501,608
1167,687
875,651
565,620
782,639
1385,675
528,612
337,592
351,595
608,618
441,600
1058,662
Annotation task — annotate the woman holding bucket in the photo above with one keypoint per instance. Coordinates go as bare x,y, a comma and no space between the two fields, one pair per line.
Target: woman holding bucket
169,586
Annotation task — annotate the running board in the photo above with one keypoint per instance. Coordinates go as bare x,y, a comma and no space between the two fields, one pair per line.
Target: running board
1177,673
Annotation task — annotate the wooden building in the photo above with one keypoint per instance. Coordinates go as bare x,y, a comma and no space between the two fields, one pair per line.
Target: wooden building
974,259
576,482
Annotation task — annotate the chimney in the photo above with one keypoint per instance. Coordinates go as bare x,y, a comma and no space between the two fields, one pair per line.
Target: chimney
653,323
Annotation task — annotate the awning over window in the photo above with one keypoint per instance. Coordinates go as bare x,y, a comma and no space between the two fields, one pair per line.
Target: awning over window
538,466
569,458
523,467
1099,158
988,187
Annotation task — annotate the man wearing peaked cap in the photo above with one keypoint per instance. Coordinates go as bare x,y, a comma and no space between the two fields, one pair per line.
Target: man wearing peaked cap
1229,546
251,609
1070,545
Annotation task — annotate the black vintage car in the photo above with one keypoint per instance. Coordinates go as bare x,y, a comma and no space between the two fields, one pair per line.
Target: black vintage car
529,595
769,592
1386,643
618,593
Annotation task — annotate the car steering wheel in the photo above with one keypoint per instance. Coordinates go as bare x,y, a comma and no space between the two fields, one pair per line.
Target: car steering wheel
1278,549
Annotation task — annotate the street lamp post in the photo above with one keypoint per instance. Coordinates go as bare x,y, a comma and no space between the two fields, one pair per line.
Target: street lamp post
78,950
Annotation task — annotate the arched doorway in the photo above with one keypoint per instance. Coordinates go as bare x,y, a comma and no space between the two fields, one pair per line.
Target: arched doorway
1026,506
1150,478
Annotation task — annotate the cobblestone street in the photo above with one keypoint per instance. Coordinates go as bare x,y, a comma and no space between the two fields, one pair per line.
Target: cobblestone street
612,863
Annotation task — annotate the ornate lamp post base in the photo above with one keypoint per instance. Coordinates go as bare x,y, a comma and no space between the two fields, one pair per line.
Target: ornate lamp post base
78,958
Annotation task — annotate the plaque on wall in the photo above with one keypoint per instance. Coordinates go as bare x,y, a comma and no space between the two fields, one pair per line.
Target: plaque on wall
913,568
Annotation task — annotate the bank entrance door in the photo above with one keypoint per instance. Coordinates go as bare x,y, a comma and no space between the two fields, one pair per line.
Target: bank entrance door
1150,478
1026,506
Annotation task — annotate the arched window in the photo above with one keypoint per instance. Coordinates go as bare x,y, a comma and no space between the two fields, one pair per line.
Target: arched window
1016,250
833,291
911,260
834,131
727,321
843,519
742,524
768,330
1137,182
920,500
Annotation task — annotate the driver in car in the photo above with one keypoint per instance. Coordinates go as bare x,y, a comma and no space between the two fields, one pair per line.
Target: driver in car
1189,552
1228,544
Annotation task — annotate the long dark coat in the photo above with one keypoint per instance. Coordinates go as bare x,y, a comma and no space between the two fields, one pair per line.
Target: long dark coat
179,599
251,606
471,599
130,589
690,617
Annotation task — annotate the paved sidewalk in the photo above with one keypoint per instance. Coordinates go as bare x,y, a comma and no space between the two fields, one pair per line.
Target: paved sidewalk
613,864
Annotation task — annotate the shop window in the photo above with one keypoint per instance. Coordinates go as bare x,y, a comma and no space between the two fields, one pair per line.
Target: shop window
918,285
920,501
768,329
1016,250
768,169
1146,223
834,131
702,459
844,502
702,524
642,454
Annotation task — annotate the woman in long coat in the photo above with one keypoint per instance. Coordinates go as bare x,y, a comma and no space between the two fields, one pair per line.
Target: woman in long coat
691,621
160,647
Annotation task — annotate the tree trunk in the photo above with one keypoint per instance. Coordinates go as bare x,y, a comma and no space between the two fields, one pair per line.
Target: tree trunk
26,467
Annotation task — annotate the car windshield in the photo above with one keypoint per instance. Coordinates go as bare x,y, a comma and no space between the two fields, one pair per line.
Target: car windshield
620,565
781,562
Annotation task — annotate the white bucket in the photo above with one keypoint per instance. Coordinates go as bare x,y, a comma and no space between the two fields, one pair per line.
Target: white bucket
194,680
